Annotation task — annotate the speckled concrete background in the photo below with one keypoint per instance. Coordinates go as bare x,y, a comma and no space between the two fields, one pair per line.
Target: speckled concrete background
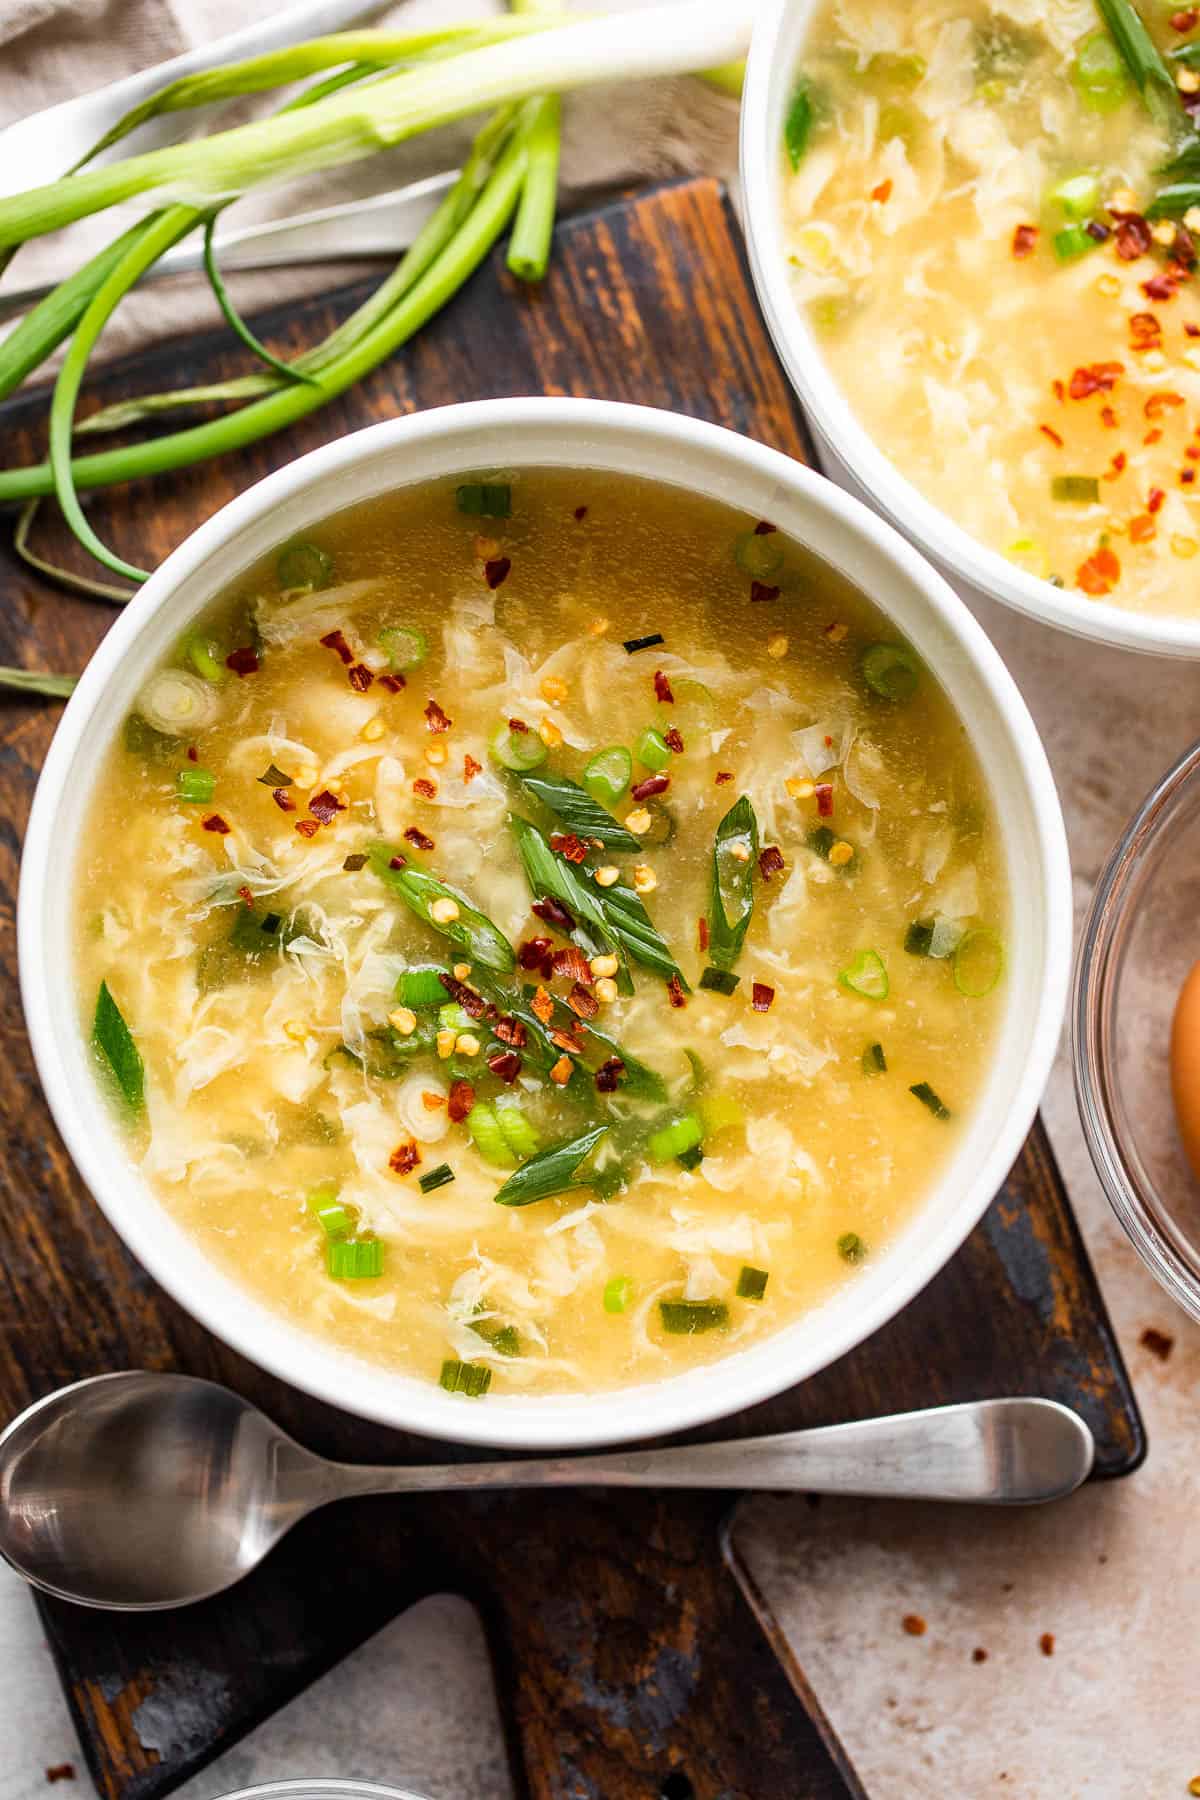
1112,1576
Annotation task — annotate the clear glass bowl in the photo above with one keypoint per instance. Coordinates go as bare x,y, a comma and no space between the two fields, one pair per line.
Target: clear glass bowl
1140,939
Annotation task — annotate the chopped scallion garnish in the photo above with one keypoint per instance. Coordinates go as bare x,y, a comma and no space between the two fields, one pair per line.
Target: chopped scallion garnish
674,1139
644,643
687,1318
751,1283
196,786
797,126
851,1248
719,981
653,751
113,1039
891,671
484,499
617,1294
874,1061
759,555
335,1218
406,647
472,1379
978,963
423,986
926,1095
867,976
436,1178
1076,490
1072,242
302,568
607,774
273,777
354,1259
516,750
690,1158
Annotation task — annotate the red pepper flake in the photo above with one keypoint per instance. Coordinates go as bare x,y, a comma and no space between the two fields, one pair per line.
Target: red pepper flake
397,861
424,788
283,800
1145,332
883,193
724,775
662,689
824,794
517,725
761,590
1098,233
245,896
702,934
60,1772
215,822
914,1624
1185,20
393,683
764,528
1117,464
471,768
571,961
1048,431
1058,390
567,845
307,827
404,1158
466,997
511,1031
770,862
537,953
1108,417
1158,1343
1154,500
562,1071
193,754
542,1006
554,913
675,992
646,790
761,997
580,513
1191,330
1152,436
243,661
1024,241
418,839
325,806
979,1654
505,1064
462,1099
1192,452
1187,476
1100,573
608,1075
1133,236
435,718
496,570
360,677
1046,1643
1157,404
1159,287
673,739
432,1102
828,741
1142,529
582,1002
335,641
1095,378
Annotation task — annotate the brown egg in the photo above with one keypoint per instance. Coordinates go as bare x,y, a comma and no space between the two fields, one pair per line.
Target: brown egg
1185,1066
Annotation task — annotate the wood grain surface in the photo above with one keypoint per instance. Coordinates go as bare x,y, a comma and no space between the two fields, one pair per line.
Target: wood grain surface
634,1658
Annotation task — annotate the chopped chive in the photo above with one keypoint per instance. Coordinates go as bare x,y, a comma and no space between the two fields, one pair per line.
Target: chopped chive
874,1062
472,1379
719,981
978,963
758,555
113,1039
919,937
484,499
335,1218
1079,490
866,976
673,1140
751,1283
1072,242
354,1259
607,774
851,1248
686,1318
891,671
926,1095
617,1294
303,566
273,777
436,1178
421,987
196,786
1077,195
644,643
206,658
516,750
406,647
690,1158
798,124
653,750
821,839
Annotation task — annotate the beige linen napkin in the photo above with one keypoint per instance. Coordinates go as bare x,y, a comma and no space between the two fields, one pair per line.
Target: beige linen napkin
53,49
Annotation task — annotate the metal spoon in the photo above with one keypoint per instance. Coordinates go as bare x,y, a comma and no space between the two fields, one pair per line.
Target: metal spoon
140,1491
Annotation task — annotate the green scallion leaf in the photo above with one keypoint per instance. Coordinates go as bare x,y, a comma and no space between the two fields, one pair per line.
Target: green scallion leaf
797,126
470,929
978,963
471,1379
196,786
617,1293
690,1158
1073,241
516,750
335,1218
576,809
751,1283
866,975
436,1178
113,1040
851,1248
874,1062
354,1259
891,671
421,987
607,775
553,1171
926,1095
688,1318
303,568
719,981
673,1140
759,554
406,647
1076,490
731,888
643,643
484,499
653,751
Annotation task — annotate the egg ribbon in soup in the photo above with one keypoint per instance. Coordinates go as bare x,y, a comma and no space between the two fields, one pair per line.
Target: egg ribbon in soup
991,215
543,932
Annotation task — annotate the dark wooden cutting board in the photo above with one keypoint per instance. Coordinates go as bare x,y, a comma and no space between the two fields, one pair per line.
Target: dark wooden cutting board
634,1658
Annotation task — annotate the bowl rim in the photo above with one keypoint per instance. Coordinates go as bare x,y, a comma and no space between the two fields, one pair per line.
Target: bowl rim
651,1408
952,548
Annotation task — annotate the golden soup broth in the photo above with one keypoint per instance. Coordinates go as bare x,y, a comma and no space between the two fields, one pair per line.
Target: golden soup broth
985,339
255,956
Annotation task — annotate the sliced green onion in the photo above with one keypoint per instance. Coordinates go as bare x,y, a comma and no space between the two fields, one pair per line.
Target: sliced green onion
552,1171
947,935
653,751
113,1040
693,709
1099,73
204,654
420,987
274,777
406,647
758,554
515,1128
516,749
643,643
926,1095
919,937
195,786
797,126
472,1379
720,1112
866,976
453,1017
851,1248
617,1294
234,319
719,981
874,1062
672,1140
607,775
690,1159
1077,195
751,1283
1078,490
687,1318
891,671
354,1259
335,1218
731,884
178,703
487,1137
436,1178
484,499
1072,242
978,963
302,567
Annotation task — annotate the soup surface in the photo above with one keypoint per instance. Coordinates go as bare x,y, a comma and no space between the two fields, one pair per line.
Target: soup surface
965,197
550,931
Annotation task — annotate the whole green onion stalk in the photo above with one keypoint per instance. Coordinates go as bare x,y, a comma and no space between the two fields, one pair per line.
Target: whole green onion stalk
377,89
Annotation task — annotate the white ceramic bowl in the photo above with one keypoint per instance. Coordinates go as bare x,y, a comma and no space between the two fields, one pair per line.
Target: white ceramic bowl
573,434
849,454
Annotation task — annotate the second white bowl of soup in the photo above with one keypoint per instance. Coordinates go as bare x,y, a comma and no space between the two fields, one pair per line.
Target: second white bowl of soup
954,225
568,923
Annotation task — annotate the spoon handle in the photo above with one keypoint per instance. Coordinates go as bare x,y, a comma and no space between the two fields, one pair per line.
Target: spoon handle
1003,1452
